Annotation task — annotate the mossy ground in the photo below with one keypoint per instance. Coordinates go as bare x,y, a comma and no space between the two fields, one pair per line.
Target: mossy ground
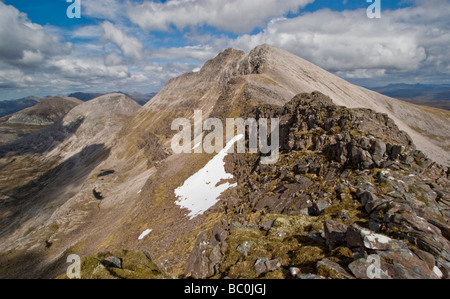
288,240
135,265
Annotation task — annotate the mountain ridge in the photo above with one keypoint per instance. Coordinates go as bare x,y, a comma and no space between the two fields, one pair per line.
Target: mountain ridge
105,175
37,117
12,106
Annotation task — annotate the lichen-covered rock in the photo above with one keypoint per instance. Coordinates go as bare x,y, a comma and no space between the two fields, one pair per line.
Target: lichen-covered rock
403,264
370,267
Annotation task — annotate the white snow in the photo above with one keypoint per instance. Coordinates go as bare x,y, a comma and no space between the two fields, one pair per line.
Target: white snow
196,146
438,272
144,234
202,190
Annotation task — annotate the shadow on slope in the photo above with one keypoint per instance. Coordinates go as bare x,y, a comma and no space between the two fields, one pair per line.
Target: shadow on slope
39,199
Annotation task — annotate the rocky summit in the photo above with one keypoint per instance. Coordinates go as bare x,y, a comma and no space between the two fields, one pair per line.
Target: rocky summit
360,189
350,187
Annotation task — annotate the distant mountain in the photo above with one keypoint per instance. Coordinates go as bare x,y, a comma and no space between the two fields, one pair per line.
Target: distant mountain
35,118
433,95
12,106
140,98
85,96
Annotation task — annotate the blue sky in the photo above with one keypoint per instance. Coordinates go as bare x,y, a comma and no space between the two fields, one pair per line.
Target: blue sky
139,45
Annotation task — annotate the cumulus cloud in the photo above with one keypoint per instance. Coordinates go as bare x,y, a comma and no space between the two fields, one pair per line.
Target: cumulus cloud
105,9
232,15
413,39
113,59
405,44
88,32
130,46
13,78
199,53
24,43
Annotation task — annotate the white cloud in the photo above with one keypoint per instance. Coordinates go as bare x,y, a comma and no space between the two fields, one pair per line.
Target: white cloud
231,15
130,46
24,43
413,39
405,43
198,53
12,78
88,69
90,31
32,58
113,59
105,9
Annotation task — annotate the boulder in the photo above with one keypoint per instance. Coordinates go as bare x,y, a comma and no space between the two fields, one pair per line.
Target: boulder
357,236
403,264
260,266
273,265
334,234
112,262
219,235
198,264
364,268
428,258
445,229
319,206
378,151
395,151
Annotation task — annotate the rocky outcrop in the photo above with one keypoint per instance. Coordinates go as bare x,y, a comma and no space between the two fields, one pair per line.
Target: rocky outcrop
357,199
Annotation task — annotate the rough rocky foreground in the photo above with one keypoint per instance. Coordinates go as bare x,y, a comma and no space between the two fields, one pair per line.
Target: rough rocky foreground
349,192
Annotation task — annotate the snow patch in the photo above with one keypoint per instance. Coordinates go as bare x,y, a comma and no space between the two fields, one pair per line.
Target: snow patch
438,272
196,146
202,190
145,234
